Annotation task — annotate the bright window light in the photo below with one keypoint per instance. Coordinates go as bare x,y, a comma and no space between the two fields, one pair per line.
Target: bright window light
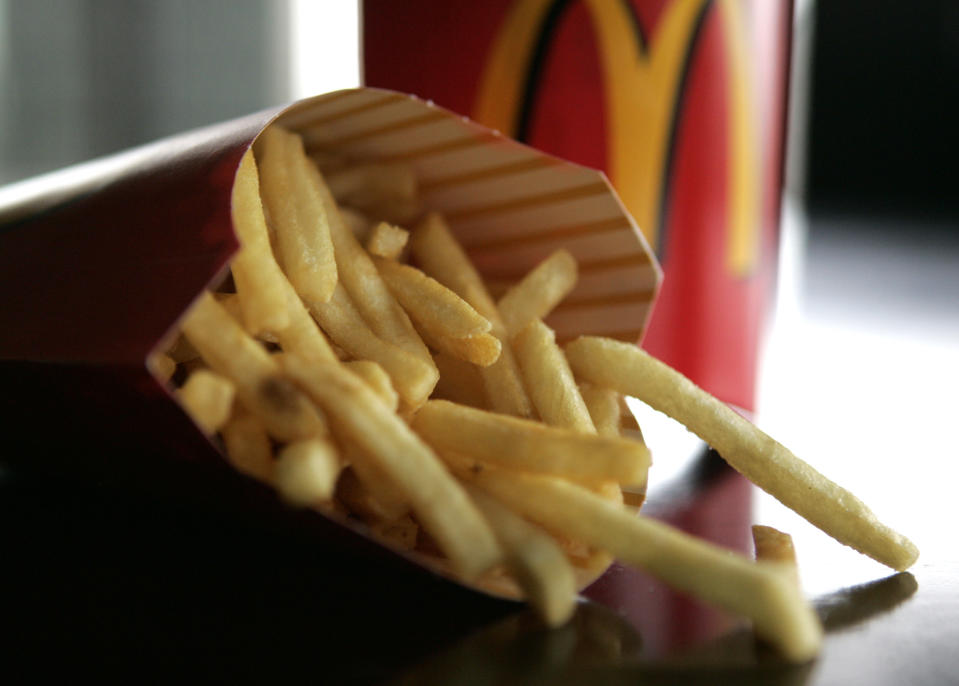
324,46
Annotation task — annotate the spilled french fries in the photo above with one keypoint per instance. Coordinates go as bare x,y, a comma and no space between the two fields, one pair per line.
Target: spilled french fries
363,369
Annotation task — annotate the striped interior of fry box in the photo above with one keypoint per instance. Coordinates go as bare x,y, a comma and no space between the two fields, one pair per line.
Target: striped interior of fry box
510,205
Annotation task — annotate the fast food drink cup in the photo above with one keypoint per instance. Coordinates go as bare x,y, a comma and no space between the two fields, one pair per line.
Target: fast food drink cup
99,262
681,102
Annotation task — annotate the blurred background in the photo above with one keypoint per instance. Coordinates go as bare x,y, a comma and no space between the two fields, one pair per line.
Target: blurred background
861,362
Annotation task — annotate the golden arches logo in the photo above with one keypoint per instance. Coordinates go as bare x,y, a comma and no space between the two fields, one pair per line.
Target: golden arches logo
643,96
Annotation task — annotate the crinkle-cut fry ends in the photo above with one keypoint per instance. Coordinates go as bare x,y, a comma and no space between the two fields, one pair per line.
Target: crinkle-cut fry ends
762,460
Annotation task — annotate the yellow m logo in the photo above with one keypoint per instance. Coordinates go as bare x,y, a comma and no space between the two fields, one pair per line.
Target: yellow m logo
643,102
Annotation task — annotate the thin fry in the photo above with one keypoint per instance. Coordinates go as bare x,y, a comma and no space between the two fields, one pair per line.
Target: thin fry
229,350
377,379
604,408
302,228
758,591
534,558
761,459
412,378
362,280
440,503
775,546
438,253
208,399
248,445
260,284
549,380
542,289
305,472
387,241
527,445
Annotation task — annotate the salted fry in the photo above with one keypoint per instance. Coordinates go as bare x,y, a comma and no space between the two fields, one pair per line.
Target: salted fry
208,399
459,381
527,445
377,379
229,350
248,445
481,350
548,379
542,289
162,366
437,252
761,459
362,280
431,303
604,408
755,590
534,558
412,378
776,546
387,241
305,472
302,336
259,281
304,247
439,502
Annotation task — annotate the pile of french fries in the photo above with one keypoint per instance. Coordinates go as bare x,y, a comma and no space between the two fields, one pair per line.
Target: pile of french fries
363,369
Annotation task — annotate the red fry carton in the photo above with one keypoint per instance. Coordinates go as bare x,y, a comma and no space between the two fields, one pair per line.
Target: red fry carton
98,263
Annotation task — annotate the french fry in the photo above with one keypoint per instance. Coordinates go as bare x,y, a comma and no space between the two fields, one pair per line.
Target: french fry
362,280
387,241
259,281
758,591
775,546
302,228
302,336
538,292
604,408
527,445
412,378
208,399
761,459
447,322
548,379
534,558
229,350
439,502
305,472
162,366
377,379
248,445
437,252
181,351
429,301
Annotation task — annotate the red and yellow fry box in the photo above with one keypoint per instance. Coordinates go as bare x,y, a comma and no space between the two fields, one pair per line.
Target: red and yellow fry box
99,262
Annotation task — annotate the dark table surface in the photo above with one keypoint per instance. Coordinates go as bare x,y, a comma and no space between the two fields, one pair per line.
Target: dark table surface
857,379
